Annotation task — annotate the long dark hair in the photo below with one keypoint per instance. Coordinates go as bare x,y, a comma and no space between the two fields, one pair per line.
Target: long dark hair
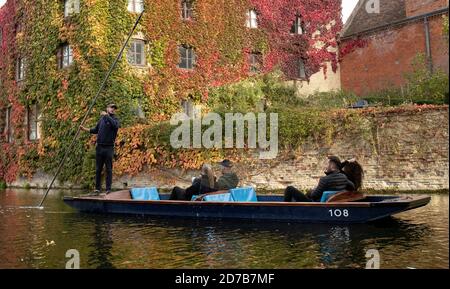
354,172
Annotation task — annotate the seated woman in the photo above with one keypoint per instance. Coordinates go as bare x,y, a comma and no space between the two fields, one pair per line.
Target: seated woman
205,183
354,172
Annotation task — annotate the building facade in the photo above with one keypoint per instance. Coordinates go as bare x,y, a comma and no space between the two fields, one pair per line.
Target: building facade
379,47
54,55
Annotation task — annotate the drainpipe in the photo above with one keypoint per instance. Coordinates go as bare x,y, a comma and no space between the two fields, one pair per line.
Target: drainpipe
428,44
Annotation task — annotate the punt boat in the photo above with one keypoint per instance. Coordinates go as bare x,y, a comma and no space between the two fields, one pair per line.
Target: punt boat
246,204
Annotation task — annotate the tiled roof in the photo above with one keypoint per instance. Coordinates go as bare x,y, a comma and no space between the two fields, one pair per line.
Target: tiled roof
360,21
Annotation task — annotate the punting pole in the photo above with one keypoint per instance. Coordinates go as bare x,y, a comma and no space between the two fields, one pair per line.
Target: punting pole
69,149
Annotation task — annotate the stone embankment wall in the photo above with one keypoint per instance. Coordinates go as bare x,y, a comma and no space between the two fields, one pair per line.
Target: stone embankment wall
403,150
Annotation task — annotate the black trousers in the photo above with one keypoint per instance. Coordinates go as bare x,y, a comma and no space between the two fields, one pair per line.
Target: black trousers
103,158
186,195
291,194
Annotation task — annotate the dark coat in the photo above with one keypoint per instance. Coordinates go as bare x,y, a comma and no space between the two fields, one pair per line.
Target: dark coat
227,182
106,130
335,181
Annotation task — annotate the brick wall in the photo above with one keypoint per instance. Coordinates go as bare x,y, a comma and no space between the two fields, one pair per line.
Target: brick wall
388,55
406,150
418,7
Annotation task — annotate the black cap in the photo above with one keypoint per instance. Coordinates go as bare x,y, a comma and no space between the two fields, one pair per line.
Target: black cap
335,160
112,105
226,163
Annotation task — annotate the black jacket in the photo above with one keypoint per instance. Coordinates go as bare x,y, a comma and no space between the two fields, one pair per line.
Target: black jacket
106,130
336,181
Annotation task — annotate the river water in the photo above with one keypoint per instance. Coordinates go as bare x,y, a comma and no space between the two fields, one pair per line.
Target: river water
32,238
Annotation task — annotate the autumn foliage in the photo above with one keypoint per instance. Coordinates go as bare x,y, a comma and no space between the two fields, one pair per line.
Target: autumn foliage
217,33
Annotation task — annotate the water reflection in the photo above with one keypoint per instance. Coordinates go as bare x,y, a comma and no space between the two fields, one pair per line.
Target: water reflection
176,243
100,256
416,239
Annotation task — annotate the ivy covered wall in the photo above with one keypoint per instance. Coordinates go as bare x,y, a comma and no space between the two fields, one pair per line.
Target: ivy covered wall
35,32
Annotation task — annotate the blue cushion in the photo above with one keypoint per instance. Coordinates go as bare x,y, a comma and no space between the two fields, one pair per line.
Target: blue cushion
244,195
145,194
219,198
327,195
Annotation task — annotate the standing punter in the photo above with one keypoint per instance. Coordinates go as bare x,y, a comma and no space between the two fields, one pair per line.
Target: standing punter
106,131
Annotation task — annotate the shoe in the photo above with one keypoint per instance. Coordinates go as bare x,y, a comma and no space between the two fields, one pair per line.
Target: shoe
95,193
108,192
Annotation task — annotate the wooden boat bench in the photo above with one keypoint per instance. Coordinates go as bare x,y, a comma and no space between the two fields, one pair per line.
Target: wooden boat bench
345,197
119,195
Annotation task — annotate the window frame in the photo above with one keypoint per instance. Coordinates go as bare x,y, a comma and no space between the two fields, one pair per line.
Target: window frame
297,27
301,66
189,57
9,131
255,62
133,43
187,10
71,10
20,69
252,19
65,60
33,122
134,6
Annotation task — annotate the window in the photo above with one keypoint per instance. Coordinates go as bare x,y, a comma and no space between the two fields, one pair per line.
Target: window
186,9
65,56
9,132
190,109
20,67
252,19
297,26
187,57
33,115
136,6
301,69
254,60
71,7
136,53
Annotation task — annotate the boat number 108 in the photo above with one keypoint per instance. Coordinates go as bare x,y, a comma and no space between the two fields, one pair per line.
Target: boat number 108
338,213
